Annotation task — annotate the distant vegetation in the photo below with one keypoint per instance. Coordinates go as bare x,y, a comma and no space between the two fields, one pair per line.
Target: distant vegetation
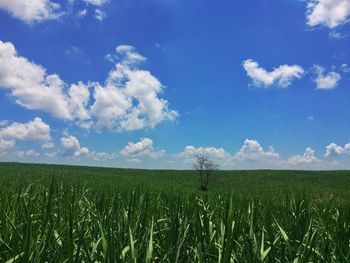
53,213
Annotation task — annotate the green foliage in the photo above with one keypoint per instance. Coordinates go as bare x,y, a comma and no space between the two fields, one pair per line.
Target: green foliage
81,214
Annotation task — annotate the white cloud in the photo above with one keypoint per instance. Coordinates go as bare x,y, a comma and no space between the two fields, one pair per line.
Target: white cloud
29,153
128,101
30,85
336,35
219,155
133,160
71,147
98,156
48,145
111,105
72,51
6,144
347,148
281,76
325,81
51,154
333,149
308,158
253,156
253,151
100,15
31,10
329,13
128,55
345,68
82,12
4,122
96,2
142,148
35,130
79,98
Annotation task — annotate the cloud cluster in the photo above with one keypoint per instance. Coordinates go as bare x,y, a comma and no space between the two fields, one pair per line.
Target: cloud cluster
328,13
253,151
129,100
333,149
281,76
35,130
30,85
29,153
71,147
143,148
252,155
219,155
6,144
96,2
99,156
308,158
32,10
325,81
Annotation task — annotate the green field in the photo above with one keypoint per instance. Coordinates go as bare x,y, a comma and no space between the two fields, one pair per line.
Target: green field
54,213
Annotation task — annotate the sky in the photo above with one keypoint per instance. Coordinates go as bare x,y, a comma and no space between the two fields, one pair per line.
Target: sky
151,83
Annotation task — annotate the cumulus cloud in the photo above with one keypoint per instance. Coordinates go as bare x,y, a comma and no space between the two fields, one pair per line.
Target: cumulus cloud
128,55
333,149
253,155
219,155
99,15
35,130
345,68
308,158
281,76
98,156
129,100
82,12
253,151
6,144
51,154
142,148
111,105
29,153
336,35
325,81
71,147
3,122
30,85
96,2
133,160
32,10
79,95
328,13
48,145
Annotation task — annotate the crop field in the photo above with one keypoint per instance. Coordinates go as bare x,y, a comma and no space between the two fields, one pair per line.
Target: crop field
53,213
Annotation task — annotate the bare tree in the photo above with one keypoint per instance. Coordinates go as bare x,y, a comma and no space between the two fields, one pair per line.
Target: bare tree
205,168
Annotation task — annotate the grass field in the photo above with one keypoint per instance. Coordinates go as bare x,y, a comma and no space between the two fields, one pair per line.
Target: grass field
53,213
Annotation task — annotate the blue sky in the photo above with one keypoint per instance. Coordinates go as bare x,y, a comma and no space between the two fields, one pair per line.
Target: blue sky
149,84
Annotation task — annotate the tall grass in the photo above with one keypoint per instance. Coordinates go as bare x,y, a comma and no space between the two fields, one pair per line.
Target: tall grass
71,222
